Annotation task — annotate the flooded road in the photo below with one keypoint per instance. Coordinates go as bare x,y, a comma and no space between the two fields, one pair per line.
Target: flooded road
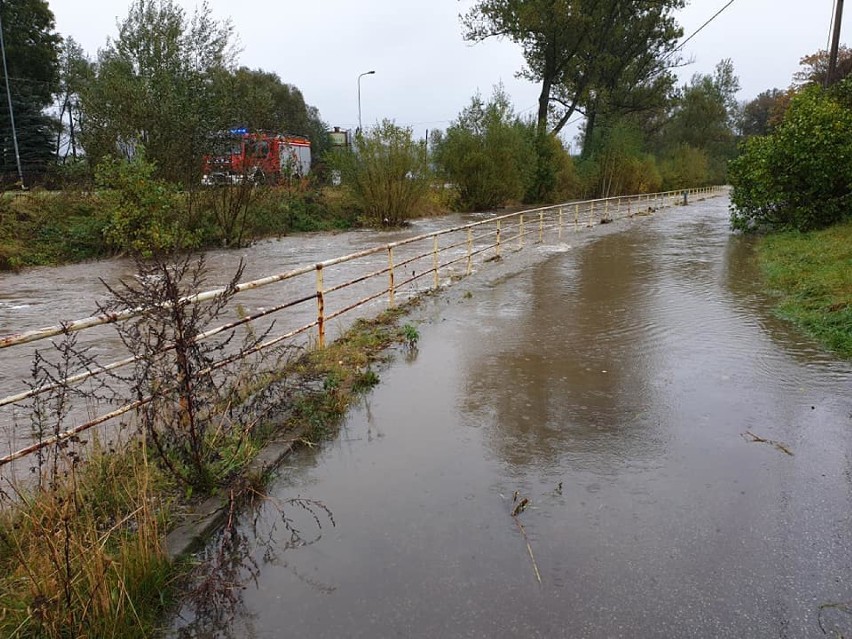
612,384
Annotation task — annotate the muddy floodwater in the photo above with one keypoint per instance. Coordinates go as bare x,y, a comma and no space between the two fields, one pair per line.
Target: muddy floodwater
43,297
612,383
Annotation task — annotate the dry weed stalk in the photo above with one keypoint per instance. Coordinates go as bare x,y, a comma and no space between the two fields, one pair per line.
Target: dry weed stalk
519,506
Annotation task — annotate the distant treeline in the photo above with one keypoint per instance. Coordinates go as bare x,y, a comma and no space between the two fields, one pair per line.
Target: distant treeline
124,135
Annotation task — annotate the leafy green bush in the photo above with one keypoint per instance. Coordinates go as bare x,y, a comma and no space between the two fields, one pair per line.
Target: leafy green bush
800,177
555,177
387,176
618,166
488,154
73,173
144,213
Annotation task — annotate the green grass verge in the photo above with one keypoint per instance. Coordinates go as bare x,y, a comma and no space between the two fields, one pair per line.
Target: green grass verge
812,272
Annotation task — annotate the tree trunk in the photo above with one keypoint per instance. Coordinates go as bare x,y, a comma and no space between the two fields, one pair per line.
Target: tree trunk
588,134
543,105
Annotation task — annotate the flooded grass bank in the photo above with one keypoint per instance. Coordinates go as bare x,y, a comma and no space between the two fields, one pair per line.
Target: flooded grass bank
50,228
812,273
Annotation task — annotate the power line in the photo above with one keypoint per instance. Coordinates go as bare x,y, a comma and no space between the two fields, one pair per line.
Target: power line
699,29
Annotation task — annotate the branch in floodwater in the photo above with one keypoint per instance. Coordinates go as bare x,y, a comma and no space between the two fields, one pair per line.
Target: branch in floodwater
762,440
519,507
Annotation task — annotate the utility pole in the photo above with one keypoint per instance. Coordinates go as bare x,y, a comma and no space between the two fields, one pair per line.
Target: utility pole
835,45
11,110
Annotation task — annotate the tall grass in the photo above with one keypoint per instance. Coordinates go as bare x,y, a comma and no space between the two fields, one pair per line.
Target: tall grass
83,555
812,272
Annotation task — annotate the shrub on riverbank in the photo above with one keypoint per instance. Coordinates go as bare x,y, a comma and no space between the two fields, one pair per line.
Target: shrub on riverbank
41,228
813,274
800,176
386,177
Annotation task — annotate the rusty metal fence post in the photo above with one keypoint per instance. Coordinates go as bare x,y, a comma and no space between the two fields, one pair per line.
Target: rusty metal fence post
391,301
320,308
561,211
469,251
435,262
521,231
541,227
497,243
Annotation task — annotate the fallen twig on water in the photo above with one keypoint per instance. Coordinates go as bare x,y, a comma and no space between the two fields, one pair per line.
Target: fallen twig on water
762,440
519,507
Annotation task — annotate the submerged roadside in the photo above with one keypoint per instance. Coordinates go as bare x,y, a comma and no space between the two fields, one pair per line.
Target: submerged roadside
812,275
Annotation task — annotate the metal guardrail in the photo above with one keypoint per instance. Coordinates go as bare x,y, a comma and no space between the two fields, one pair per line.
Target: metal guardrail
485,239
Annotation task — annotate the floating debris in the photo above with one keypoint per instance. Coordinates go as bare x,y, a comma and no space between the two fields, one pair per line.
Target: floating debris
520,506
762,440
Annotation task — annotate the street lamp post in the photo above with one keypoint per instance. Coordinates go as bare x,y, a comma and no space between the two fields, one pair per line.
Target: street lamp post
359,98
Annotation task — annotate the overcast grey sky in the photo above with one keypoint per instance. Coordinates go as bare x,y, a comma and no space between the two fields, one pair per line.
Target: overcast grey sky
426,73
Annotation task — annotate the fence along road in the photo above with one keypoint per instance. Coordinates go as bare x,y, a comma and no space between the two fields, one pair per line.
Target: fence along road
315,298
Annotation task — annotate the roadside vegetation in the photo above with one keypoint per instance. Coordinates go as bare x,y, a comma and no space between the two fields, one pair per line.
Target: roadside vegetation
43,227
83,535
793,183
812,273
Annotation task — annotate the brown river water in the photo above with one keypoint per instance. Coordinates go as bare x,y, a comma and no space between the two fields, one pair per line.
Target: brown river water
611,382
42,297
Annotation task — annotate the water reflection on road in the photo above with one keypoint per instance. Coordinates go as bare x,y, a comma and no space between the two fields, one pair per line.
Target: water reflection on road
611,384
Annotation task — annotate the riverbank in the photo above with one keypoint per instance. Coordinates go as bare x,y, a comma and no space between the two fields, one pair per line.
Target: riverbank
52,228
49,228
87,551
812,274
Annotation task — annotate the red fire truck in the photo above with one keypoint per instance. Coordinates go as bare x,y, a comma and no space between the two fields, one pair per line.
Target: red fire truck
259,157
